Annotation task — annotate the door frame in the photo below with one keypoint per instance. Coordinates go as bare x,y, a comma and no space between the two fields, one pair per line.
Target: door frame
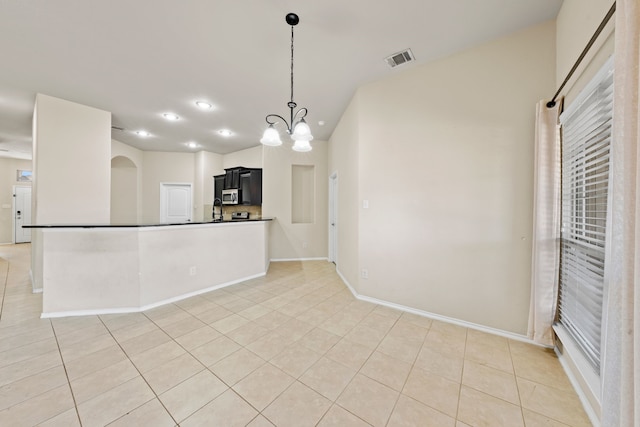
163,200
13,211
333,218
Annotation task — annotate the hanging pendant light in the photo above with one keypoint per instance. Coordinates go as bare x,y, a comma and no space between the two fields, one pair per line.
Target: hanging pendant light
296,126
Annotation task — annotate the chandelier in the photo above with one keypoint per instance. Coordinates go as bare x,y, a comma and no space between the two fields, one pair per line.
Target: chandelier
297,128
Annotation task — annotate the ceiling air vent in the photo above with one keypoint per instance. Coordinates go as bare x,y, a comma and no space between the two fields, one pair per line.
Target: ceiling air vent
400,58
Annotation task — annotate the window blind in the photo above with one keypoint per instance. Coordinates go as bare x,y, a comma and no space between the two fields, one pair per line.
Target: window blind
586,141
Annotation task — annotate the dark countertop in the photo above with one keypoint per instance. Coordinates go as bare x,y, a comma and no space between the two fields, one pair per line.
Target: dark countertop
226,221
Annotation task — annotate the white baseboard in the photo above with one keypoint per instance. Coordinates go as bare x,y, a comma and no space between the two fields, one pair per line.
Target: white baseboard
124,310
34,290
434,316
298,259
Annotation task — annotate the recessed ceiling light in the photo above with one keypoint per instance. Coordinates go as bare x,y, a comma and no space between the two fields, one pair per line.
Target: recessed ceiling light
225,132
170,116
142,133
204,105
192,144
321,123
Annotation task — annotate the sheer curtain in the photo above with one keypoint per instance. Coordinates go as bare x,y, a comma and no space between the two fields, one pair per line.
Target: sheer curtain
621,367
546,224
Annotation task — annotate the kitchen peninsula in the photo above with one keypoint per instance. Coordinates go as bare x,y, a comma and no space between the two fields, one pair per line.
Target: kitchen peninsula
98,269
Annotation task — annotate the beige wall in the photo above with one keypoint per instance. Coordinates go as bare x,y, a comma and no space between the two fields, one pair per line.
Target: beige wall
576,23
163,167
343,162
124,191
121,210
66,133
249,158
207,166
288,240
8,168
444,158
71,134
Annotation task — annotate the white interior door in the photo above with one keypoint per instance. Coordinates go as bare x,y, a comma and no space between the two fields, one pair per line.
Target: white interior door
22,214
175,203
333,218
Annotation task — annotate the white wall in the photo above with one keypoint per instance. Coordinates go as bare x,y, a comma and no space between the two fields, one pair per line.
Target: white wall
8,169
444,158
133,269
288,240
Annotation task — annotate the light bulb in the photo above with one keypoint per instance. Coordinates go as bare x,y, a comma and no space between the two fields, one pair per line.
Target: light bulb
171,116
301,146
271,137
302,132
203,105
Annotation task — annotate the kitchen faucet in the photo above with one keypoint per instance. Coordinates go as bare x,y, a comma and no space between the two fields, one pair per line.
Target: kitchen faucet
217,199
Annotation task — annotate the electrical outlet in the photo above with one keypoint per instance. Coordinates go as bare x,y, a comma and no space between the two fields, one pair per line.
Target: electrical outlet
193,270
305,245
365,273
365,204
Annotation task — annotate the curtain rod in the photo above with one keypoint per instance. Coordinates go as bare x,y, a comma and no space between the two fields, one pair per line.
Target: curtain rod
604,22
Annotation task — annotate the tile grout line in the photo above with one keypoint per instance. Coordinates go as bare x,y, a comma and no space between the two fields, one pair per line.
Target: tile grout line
364,363
4,289
515,378
334,402
464,353
64,365
309,290
413,364
141,376
268,362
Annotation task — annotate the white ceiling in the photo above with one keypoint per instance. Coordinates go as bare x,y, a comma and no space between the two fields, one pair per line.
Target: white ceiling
141,58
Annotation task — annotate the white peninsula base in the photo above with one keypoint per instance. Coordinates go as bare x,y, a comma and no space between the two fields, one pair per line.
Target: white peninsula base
130,269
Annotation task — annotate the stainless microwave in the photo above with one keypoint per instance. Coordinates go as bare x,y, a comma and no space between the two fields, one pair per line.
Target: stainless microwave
230,197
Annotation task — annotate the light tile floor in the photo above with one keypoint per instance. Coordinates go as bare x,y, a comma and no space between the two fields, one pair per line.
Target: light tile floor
294,348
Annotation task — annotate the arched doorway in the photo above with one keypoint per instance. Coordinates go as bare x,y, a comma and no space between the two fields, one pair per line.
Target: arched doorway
124,191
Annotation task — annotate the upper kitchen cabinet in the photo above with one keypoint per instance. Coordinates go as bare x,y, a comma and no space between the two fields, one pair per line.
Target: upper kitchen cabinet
251,187
248,182
218,186
232,178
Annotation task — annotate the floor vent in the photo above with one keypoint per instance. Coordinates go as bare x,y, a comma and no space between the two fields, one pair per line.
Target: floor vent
400,58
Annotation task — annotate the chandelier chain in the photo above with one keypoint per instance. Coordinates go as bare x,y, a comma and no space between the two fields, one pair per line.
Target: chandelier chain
292,63
297,128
